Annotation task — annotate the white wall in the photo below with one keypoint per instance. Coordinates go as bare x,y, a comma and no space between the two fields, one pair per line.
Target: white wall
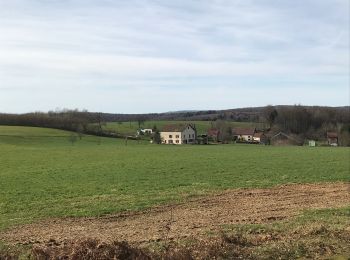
175,136
188,135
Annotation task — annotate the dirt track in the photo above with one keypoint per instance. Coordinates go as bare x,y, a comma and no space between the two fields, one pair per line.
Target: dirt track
194,218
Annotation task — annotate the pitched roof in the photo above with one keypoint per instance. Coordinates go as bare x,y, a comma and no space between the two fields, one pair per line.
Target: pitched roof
213,131
281,134
332,135
260,134
176,127
243,131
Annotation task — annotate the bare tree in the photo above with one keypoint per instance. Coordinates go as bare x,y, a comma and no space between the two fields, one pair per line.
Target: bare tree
80,131
140,121
100,122
270,114
225,131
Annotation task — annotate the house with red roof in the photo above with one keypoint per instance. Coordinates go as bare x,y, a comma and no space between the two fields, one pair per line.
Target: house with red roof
243,134
332,138
260,138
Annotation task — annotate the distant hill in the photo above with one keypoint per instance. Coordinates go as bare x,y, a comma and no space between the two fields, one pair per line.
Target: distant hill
247,114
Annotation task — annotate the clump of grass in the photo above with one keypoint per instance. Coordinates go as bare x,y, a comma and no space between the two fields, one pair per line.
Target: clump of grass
89,249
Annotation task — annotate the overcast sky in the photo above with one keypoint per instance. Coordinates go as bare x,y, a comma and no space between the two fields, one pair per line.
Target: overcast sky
140,56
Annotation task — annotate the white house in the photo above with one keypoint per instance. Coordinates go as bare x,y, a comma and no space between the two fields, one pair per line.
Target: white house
260,138
145,131
178,134
244,134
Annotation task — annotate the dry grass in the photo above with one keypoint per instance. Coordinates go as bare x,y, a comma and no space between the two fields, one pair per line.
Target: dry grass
293,240
315,242
317,234
88,249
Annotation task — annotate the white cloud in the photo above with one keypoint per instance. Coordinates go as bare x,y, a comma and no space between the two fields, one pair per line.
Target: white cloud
81,48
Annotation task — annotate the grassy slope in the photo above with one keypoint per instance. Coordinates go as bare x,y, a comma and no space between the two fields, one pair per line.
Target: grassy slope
21,131
202,126
48,177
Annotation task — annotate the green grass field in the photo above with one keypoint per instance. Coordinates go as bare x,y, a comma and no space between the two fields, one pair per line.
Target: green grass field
43,175
202,126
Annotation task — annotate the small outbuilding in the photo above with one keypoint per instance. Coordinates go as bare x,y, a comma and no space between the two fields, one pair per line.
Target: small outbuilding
332,138
285,139
147,131
312,143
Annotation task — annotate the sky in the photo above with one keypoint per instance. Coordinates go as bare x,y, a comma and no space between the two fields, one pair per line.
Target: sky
142,56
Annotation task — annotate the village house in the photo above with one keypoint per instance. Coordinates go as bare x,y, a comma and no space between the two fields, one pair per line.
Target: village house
260,138
332,138
243,134
178,134
145,131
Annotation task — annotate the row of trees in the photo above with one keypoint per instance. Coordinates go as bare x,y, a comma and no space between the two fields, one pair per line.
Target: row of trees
309,122
72,120
306,122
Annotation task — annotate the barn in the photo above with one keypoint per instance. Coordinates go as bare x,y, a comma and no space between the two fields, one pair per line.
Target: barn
282,138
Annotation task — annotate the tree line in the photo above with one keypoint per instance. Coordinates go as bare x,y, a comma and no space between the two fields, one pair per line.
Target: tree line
309,122
71,120
304,121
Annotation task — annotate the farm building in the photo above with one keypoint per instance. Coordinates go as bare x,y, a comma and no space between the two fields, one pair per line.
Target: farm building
145,131
332,138
312,143
284,139
259,138
214,134
244,134
178,134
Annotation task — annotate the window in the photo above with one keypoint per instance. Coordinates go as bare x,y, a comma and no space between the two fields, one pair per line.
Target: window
192,135
177,141
177,136
170,136
170,141
165,141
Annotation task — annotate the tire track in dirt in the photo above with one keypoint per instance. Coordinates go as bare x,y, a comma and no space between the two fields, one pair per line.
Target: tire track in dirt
193,218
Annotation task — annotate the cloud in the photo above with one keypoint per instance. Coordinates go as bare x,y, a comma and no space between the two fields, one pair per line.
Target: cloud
103,48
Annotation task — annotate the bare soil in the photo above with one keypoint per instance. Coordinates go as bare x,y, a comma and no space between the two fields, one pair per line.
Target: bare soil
195,218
